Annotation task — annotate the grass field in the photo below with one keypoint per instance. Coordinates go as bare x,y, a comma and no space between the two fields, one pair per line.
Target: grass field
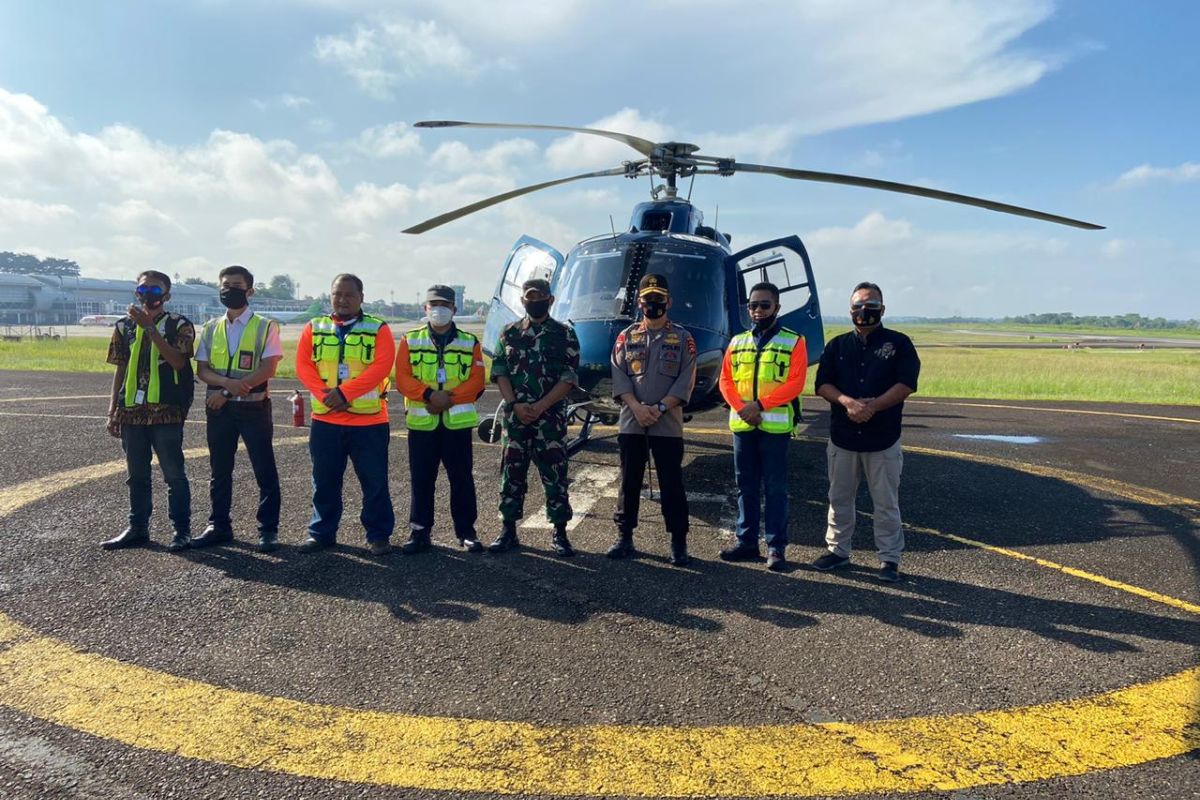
1126,376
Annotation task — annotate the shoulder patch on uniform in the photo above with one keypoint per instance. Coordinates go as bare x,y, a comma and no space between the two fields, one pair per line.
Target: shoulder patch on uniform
691,345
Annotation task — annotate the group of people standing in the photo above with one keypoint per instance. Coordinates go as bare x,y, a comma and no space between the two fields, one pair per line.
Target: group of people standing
346,361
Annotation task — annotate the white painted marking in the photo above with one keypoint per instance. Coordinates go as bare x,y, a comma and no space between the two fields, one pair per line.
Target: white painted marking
589,485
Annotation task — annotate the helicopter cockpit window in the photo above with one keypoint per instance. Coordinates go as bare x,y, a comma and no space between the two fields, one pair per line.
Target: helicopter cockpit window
592,284
696,276
528,262
656,221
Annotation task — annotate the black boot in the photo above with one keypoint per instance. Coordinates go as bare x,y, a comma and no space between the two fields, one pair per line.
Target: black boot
180,541
623,546
560,542
418,542
130,537
507,540
213,534
679,553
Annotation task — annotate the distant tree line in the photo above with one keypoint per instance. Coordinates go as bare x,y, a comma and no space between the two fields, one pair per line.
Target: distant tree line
26,264
281,287
1122,321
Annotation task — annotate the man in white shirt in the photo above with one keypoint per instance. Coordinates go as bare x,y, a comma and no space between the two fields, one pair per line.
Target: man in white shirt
236,356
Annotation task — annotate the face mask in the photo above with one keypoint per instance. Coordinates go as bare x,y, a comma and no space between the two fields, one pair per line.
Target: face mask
151,297
232,297
866,317
537,309
654,310
440,315
765,324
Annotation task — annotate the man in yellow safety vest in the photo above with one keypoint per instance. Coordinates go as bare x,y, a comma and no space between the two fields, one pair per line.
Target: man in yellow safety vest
762,378
439,370
236,355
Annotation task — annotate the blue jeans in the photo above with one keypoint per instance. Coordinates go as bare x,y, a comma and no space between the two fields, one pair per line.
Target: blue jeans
166,441
366,446
760,459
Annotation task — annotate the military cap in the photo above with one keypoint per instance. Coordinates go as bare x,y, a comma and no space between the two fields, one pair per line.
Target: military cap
654,284
540,284
439,292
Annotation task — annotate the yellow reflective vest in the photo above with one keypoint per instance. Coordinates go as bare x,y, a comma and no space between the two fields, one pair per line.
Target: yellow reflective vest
356,351
246,361
445,370
758,372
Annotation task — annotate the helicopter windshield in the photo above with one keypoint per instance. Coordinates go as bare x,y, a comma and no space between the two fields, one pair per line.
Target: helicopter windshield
593,281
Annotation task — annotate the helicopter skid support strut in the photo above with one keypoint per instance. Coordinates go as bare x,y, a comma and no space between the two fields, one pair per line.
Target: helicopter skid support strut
490,427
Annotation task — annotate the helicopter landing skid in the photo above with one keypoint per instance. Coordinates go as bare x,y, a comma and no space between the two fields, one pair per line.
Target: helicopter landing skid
579,412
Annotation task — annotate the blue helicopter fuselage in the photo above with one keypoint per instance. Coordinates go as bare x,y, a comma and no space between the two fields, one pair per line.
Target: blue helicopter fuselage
595,290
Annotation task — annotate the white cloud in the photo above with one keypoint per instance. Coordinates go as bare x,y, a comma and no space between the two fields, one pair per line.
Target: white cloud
583,151
457,157
261,232
1114,248
136,216
17,211
872,231
393,50
294,101
322,126
1186,172
393,140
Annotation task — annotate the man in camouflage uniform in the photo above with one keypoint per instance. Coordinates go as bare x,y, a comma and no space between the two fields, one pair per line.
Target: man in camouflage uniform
534,366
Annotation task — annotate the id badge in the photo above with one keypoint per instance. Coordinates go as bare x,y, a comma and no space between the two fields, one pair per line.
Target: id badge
140,397
441,375
343,372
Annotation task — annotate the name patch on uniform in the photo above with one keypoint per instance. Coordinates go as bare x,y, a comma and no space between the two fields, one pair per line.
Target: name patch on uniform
245,360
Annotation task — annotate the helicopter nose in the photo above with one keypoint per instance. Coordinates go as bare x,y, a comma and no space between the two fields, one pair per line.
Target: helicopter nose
596,340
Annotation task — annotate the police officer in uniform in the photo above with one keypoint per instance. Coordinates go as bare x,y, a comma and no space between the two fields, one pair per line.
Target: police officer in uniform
236,355
654,370
535,366
439,370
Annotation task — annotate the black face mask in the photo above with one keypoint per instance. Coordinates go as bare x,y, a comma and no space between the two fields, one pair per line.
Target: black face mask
866,317
654,309
232,297
537,309
765,324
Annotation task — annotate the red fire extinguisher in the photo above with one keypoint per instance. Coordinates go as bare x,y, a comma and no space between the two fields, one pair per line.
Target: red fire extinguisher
297,409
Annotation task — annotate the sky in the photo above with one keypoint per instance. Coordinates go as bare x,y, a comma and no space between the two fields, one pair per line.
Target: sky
185,136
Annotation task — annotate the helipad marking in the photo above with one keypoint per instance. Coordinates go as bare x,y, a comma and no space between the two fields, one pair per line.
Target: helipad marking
47,678
1088,412
49,399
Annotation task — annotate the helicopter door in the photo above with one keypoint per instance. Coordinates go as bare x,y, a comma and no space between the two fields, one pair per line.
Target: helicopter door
528,259
783,262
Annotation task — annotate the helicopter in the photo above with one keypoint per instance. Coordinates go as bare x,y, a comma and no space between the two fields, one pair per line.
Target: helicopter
595,284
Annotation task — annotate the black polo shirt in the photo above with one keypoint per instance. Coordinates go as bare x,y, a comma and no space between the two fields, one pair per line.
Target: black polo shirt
868,369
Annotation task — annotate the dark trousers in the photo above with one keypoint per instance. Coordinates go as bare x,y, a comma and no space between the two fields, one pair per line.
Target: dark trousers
635,449
427,452
252,422
165,441
760,460
366,446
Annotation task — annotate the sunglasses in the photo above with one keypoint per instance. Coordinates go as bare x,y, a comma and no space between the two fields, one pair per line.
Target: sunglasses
870,305
765,305
149,291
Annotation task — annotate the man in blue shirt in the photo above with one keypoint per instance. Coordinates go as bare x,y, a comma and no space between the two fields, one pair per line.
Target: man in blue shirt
865,375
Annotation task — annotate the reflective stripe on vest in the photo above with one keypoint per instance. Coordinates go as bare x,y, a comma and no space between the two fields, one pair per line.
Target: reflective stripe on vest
443,371
154,389
356,350
758,372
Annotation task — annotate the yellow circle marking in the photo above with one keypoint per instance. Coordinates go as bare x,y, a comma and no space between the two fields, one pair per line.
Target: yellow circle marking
49,679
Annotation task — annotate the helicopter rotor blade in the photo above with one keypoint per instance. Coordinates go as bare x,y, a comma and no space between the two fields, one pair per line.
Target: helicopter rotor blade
643,146
450,216
905,188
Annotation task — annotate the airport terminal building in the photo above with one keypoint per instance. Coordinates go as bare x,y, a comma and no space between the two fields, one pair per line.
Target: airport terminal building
64,300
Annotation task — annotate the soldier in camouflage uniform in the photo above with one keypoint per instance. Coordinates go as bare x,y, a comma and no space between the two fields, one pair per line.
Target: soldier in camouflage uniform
534,366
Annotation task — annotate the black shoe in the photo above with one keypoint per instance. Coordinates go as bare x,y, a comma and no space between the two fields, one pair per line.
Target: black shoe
679,553
418,542
507,540
471,545
830,561
776,562
129,537
740,552
622,547
380,547
180,541
561,544
268,541
311,545
213,535
889,572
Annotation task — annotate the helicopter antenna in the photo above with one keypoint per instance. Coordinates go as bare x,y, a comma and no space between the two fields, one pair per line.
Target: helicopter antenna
690,185
717,218
612,224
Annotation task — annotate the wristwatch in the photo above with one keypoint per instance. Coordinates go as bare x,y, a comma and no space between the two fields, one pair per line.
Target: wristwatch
228,395
662,407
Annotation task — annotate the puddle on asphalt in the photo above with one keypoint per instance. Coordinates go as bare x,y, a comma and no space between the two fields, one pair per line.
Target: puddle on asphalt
993,437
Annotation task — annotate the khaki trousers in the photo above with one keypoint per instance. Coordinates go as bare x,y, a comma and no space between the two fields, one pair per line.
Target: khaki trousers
882,468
